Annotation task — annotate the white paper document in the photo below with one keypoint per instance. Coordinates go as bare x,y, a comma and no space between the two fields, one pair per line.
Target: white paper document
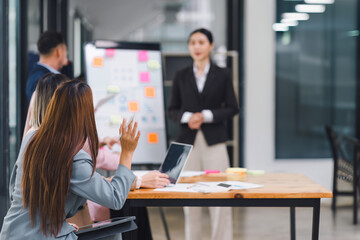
231,185
180,187
209,187
191,173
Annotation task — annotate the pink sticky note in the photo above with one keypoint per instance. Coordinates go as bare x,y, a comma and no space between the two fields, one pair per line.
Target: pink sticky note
211,171
110,52
144,77
143,56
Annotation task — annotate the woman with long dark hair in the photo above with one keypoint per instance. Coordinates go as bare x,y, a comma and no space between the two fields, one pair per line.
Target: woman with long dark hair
55,176
202,99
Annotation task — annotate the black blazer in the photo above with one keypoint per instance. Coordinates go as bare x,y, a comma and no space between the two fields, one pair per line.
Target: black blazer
36,73
218,96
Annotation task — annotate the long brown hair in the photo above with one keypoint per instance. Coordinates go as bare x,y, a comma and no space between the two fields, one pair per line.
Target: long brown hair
69,121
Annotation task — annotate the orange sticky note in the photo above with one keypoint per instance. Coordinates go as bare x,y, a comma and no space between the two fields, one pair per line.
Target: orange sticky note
98,62
150,92
153,138
133,106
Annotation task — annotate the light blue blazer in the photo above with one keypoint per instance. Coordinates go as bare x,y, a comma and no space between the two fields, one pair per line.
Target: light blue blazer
17,223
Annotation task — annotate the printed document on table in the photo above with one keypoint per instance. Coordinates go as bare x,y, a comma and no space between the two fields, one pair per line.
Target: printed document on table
232,185
191,173
179,187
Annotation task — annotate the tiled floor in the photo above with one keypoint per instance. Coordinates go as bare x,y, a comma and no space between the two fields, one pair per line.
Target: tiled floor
265,223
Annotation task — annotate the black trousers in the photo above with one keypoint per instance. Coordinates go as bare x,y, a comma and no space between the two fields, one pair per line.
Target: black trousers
142,221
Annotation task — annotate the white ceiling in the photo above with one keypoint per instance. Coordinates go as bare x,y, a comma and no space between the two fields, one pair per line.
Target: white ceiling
114,19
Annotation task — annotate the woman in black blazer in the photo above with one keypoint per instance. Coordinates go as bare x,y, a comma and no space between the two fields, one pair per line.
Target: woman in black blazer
202,99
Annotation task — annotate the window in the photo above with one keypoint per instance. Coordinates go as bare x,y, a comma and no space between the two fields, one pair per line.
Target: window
315,77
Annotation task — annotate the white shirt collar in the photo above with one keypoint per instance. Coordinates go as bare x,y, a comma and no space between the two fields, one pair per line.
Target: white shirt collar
206,70
48,68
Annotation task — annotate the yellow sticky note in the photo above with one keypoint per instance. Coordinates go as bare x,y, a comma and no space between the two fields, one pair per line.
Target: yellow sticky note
133,106
150,92
98,62
115,119
153,138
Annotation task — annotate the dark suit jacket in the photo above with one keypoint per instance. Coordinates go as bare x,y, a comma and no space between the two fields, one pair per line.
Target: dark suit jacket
218,96
37,72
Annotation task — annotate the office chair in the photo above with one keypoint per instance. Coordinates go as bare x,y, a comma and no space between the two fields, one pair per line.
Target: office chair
345,152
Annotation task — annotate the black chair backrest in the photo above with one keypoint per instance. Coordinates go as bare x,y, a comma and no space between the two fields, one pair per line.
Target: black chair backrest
344,149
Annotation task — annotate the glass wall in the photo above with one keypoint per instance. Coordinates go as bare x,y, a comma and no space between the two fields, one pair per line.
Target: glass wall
315,75
12,82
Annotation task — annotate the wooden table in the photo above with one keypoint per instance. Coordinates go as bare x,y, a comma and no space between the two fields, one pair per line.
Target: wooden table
280,190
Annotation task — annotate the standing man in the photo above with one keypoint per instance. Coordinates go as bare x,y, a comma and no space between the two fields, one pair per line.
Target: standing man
53,56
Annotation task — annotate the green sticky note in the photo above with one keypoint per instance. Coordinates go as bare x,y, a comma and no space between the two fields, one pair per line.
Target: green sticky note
255,172
115,119
113,89
153,64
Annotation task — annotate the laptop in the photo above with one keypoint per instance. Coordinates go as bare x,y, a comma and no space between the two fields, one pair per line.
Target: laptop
175,159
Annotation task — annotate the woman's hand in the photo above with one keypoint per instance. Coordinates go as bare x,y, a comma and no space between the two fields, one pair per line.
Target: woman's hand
75,226
129,136
154,179
109,142
129,140
196,121
109,179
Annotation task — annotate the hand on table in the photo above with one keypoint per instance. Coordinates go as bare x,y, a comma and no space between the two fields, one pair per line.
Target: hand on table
155,179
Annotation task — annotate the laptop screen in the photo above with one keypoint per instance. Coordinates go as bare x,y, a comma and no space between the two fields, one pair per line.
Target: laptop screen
175,160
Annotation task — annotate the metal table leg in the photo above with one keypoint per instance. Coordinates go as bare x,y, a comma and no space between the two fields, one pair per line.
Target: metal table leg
162,214
316,220
292,223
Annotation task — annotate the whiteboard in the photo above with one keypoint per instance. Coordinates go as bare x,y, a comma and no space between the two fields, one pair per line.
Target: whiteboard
126,79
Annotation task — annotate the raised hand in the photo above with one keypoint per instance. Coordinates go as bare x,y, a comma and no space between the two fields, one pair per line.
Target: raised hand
129,140
129,136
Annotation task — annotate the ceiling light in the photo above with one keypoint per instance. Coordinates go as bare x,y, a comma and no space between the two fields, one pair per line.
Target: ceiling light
309,8
280,27
320,1
290,22
296,16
